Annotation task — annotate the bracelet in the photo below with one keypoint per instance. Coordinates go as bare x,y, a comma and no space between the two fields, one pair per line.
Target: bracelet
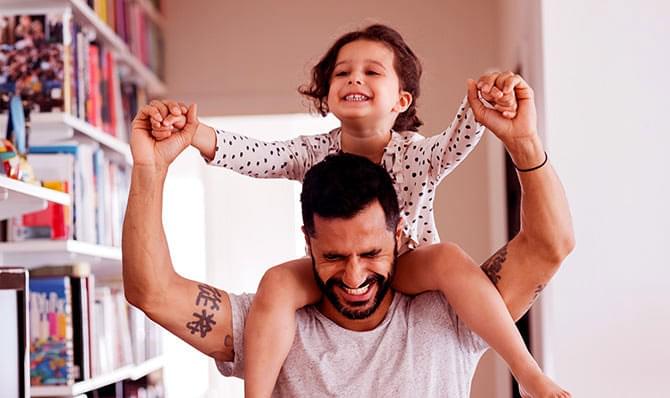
546,157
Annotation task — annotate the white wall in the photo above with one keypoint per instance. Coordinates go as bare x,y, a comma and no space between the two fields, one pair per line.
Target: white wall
608,310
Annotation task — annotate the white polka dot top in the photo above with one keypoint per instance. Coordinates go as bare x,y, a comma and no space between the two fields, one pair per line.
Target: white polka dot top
416,164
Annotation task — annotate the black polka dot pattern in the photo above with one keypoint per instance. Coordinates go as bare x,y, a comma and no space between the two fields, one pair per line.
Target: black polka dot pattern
416,164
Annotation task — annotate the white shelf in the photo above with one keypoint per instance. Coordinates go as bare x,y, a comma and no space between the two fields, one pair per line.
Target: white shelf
104,260
147,367
18,197
82,387
84,14
51,127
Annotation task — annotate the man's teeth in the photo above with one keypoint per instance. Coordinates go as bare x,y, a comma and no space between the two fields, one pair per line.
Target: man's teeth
356,97
357,292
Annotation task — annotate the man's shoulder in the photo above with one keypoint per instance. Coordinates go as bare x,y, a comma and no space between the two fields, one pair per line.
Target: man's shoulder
431,312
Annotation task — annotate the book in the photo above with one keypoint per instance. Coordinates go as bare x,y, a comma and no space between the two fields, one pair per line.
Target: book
82,286
51,340
56,221
14,339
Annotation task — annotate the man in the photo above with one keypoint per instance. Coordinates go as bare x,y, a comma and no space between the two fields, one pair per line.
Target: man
386,345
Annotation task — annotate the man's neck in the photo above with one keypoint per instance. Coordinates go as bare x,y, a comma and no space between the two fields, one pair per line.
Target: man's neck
358,325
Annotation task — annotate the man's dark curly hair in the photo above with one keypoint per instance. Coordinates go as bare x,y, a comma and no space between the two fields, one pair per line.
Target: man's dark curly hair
406,64
342,185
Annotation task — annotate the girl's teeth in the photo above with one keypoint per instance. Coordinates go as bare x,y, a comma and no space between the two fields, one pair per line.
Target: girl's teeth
356,98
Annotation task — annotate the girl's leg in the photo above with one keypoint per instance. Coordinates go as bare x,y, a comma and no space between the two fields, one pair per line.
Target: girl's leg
445,267
270,325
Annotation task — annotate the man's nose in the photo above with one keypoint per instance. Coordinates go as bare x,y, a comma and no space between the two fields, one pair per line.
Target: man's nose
354,273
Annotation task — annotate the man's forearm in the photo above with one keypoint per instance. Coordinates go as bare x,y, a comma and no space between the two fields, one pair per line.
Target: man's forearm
522,268
147,267
545,215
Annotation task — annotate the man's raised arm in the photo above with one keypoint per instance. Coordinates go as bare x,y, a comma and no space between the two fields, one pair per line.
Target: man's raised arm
523,267
197,313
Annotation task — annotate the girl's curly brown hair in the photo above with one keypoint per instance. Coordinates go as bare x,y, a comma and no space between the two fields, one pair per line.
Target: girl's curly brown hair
406,64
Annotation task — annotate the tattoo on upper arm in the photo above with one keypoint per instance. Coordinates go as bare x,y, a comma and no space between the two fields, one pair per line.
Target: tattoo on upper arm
537,292
493,265
210,298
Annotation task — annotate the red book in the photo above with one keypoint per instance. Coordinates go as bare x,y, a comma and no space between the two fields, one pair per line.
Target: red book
93,103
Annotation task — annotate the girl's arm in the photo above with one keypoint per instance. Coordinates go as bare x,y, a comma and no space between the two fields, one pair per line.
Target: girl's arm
445,151
241,154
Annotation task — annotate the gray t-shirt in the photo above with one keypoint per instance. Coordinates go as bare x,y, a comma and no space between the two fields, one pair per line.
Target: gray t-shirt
420,349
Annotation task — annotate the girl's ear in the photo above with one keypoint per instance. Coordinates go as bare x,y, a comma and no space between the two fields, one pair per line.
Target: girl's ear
404,101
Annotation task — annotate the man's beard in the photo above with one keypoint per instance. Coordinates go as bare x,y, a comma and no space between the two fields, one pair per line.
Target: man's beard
366,308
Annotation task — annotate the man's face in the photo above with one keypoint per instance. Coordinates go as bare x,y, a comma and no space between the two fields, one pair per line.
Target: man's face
354,260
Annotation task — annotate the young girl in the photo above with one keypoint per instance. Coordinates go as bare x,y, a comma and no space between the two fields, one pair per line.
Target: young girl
369,80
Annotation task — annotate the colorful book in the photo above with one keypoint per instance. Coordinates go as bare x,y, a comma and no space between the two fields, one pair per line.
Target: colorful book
51,341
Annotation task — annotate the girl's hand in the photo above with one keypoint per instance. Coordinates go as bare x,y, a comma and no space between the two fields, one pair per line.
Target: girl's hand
167,117
498,88
522,125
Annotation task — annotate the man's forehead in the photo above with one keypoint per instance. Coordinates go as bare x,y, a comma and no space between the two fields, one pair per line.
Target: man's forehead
367,227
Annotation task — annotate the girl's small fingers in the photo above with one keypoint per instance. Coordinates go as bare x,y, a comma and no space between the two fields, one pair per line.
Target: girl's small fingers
487,81
174,107
500,79
184,108
496,93
160,106
510,83
172,120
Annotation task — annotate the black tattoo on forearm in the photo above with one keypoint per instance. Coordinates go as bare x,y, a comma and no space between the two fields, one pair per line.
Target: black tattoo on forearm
493,265
203,323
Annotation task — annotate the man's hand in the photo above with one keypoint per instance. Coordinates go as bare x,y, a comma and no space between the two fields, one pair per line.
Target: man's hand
497,88
159,150
524,123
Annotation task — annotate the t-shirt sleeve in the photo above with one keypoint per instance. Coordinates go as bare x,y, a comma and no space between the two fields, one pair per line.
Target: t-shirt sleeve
260,159
445,151
240,305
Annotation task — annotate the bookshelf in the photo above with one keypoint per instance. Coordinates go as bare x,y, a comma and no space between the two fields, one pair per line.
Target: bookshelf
50,128
132,372
84,15
105,261
17,197
104,73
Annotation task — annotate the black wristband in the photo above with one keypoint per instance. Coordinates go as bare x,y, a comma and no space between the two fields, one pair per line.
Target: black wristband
546,157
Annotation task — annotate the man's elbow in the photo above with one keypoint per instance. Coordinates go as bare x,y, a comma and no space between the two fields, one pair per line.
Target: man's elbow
561,247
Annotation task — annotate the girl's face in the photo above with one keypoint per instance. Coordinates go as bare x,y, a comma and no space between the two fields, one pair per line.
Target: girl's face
364,88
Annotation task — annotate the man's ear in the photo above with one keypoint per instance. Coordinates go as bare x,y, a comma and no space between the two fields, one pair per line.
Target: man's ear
404,101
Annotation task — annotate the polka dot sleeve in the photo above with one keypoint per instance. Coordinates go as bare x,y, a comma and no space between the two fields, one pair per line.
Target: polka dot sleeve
280,159
445,151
